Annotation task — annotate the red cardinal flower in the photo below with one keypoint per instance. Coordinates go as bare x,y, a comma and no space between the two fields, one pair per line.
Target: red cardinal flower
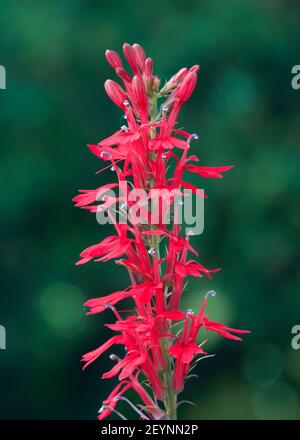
150,155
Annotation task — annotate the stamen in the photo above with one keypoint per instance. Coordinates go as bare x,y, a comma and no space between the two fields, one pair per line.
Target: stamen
210,293
126,103
124,206
113,168
151,251
189,312
105,154
114,357
164,156
103,407
193,137
114,310
165,109
124,128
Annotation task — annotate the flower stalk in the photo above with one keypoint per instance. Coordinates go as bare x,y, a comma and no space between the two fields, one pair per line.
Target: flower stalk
149,153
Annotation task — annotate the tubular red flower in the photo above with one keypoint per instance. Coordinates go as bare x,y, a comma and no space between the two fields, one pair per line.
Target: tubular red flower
208,172
148,67
150,155
140,56
187,86
130,56
113,58
140,96
116,93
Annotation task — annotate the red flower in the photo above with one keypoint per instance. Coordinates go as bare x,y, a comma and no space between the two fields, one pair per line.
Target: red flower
111,247
149,153
208,172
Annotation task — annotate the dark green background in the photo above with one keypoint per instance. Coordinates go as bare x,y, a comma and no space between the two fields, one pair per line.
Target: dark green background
246,114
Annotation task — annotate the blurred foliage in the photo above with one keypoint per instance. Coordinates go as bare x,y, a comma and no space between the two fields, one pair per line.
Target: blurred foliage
246,114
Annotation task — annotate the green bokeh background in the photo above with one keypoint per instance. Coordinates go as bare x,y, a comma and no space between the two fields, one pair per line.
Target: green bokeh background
246,114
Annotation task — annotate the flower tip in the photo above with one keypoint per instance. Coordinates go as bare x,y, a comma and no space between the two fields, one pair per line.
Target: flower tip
187,86
113,58
126,46
115,92
195,68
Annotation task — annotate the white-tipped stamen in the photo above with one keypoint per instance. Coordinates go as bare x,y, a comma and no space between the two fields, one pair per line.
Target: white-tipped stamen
210,293
105,154
151,251
124,128
126,103
103,407
189,312
193,137
114,357
113,309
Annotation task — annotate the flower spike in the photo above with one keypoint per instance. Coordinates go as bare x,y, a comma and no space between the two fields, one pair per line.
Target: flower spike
149,155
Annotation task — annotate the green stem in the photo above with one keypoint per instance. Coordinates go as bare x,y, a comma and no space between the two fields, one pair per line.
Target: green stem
170,401
171,397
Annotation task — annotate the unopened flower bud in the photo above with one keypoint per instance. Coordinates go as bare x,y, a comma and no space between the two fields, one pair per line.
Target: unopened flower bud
139,91
194,68
115,93
123,74
179,75
174,80
140,55
148,67
156,84
187,87
130,57
113,59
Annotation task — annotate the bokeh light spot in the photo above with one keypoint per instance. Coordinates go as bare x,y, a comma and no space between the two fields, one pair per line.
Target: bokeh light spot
61,306
262,365
278,401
